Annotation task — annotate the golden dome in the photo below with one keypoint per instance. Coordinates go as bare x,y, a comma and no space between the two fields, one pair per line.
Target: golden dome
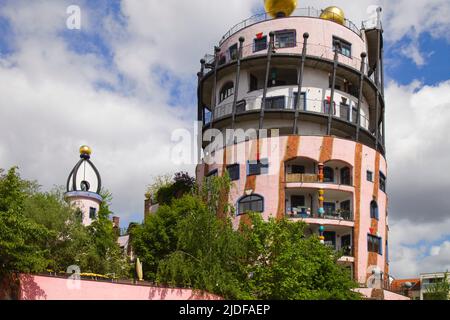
85,150
333,14
277,8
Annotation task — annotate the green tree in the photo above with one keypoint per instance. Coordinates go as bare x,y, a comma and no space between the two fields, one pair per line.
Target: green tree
284,264
21,239
261,260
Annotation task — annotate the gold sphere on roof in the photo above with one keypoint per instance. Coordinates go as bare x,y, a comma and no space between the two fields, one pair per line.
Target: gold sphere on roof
280,8
85,150
333,14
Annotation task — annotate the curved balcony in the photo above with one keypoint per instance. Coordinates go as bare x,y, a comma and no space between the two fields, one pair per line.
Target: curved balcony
299,12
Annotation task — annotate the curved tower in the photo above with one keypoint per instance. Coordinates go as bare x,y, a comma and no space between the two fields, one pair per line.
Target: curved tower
83,187
314,81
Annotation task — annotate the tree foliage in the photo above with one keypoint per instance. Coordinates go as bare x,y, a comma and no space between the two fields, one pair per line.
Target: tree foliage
440,290
40,231
187,244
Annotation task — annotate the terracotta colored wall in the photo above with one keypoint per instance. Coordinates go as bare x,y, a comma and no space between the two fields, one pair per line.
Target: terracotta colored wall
49,288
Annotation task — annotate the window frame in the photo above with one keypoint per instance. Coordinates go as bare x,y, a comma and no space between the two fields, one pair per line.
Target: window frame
302,105
92,213
281,32
368,172
342,43
382,182
263,167
240,201
234,166
324,175
371,244
233,49
374,210
272,100
255,40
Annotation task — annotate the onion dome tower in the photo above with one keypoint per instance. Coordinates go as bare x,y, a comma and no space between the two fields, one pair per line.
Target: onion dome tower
83,187
314,81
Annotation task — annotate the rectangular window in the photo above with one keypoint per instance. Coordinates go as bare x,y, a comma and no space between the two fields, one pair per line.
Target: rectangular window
92,213
374,244
255,168
382,182
285,39
233,52
370,176
260,44
302,101
275,103
234,172
343,47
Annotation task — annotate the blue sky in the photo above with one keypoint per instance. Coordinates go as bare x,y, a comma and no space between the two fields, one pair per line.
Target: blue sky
127,80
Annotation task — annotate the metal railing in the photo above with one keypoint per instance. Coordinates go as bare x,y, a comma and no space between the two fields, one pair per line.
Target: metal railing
253,103
299,12
345,215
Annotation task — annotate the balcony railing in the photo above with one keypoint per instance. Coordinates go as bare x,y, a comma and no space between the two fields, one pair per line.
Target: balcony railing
302,178
300,12
304,213
253,103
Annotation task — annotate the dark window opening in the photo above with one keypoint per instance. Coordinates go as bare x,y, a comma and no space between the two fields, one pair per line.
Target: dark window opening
258,167
355,115
226,91
302,100
234,172
382,182
260,44
253,83
344,112
370,176
330,239
92,213
285,39
297,201
346,176
275,102
374,244
328,175
342,46
233,52
253,203
374,210
222,60
330,208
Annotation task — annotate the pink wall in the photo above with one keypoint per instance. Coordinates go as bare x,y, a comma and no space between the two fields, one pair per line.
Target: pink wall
320,40
50,288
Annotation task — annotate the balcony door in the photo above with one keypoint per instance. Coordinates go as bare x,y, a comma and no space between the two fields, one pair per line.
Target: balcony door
346,244
330,238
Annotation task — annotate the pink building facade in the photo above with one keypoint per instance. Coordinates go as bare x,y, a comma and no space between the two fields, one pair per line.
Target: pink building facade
318,159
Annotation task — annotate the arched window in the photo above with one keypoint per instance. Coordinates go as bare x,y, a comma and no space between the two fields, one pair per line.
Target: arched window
253,203
226,91
328,175
374,210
